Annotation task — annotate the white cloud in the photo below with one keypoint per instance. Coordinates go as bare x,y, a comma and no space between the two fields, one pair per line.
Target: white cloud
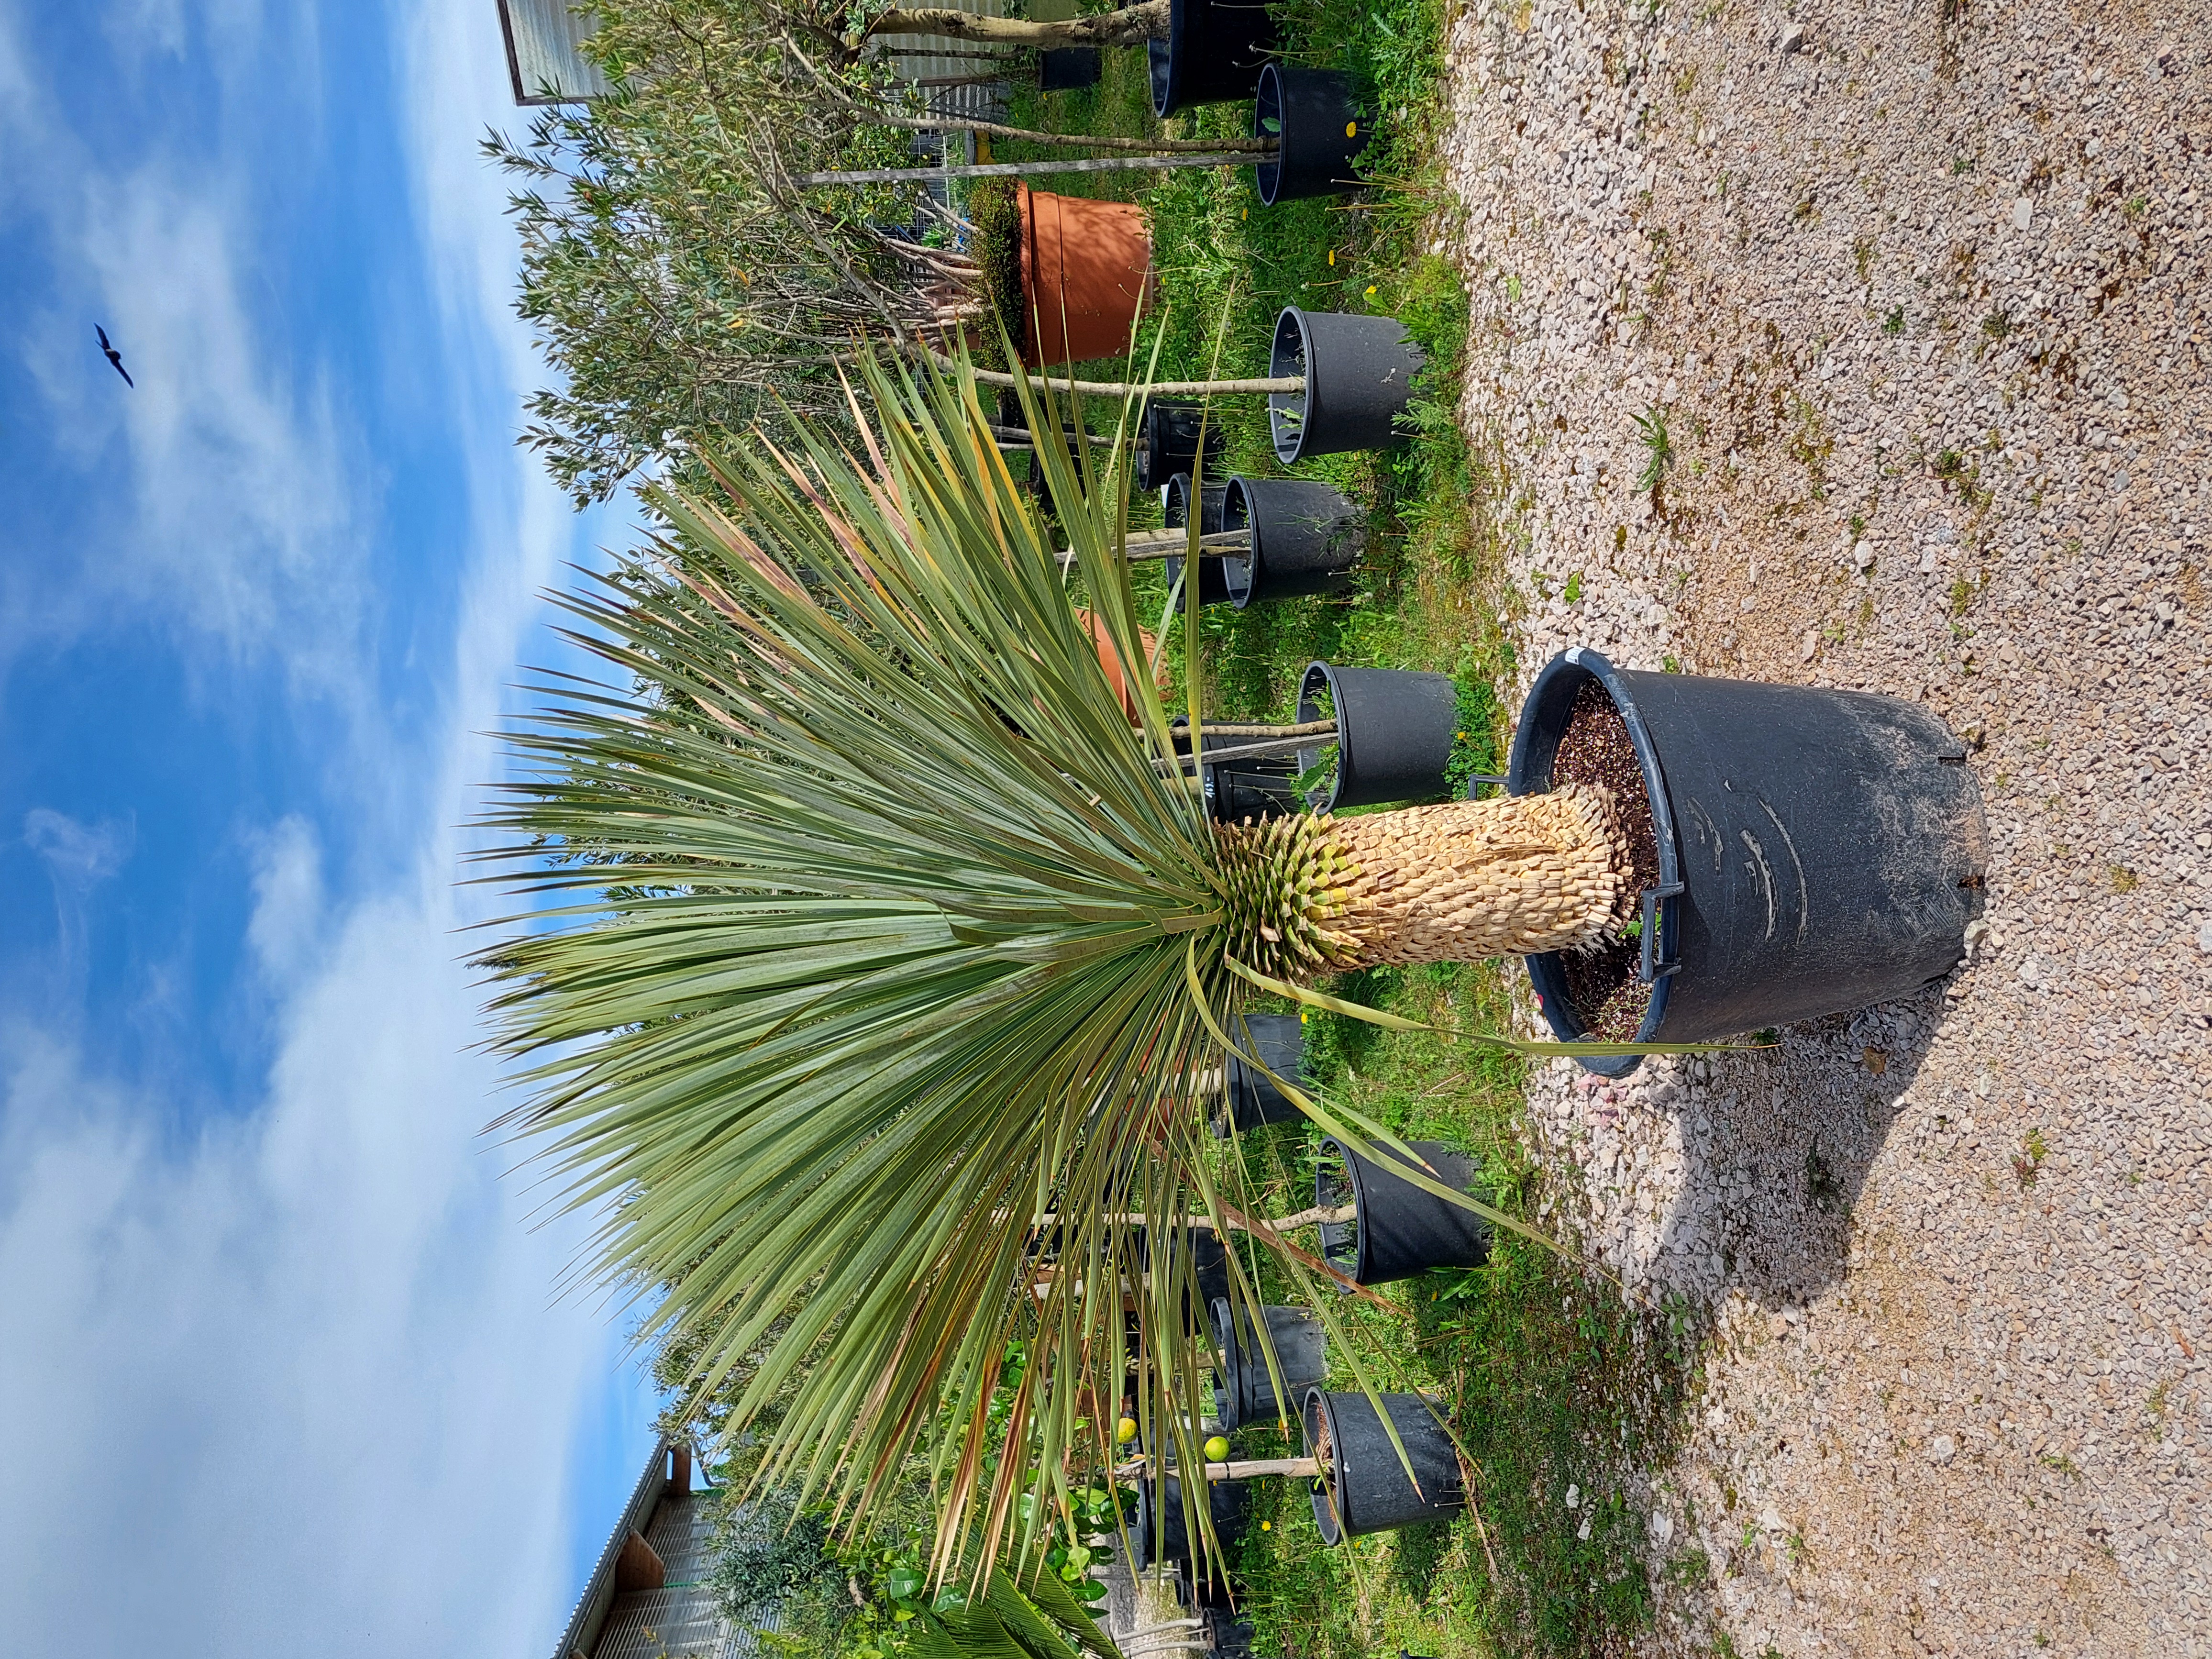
78,857
288,898
305,1375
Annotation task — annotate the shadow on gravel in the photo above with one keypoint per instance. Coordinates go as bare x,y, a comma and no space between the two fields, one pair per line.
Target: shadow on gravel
1777,1146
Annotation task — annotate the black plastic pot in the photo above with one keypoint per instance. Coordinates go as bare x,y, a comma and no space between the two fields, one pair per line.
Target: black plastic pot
1167,443
1247,1393
1205,1592
1175,514
1209,1268
1818,850
1229,1635
1159,1531
1394,730
1360,377
1251,1100
1400,1230
1214,53
1253,786
1318,128
1306,536
1364,1487
1068,68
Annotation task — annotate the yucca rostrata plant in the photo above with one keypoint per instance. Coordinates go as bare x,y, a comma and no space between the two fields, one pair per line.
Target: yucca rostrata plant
876,954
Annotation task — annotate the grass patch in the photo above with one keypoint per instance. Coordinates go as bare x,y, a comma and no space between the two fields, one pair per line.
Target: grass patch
1561,1394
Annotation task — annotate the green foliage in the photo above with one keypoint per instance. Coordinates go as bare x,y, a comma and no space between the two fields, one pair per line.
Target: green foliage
993,209
677,286
916,941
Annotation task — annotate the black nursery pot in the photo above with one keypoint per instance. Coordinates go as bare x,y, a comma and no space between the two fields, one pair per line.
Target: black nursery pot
1364,1488
1252,1101
1068,68
1318,130
1228,1634
1209,1269
1247,1394
1818,850
1399,1230
1214,53
1160,1532
1167,443
1255,787
1359,376
1306,536
1394,730
1175,514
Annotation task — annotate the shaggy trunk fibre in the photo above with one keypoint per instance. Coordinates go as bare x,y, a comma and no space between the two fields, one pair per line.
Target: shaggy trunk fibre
1459,882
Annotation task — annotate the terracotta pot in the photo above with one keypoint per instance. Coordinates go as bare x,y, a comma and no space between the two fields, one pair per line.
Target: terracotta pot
1110,658
1086,274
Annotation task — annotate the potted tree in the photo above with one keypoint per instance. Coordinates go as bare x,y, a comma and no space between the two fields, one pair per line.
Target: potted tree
1066,276
1397,1228
864,933
1364,1487
1318,129
1396,729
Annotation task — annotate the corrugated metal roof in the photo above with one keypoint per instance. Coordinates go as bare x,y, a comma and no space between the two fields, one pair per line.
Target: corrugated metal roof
543,61
591,1610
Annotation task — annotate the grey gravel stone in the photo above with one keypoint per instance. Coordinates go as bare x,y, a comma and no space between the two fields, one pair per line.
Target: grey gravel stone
2048,430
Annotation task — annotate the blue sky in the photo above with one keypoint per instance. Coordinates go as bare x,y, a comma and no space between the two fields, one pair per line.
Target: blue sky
280,1351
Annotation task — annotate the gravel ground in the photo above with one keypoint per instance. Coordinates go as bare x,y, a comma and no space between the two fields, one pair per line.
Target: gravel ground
1920,292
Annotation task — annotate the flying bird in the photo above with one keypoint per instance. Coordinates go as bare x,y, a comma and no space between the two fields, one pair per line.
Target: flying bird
113,356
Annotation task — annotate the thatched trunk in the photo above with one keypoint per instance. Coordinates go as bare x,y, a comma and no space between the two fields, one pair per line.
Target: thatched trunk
1455,883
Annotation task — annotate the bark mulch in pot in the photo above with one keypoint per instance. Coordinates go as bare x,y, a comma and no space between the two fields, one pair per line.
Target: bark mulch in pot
1609,998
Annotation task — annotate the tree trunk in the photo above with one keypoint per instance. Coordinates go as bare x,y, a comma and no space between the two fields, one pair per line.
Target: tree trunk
1460,882
1131,26
1041,169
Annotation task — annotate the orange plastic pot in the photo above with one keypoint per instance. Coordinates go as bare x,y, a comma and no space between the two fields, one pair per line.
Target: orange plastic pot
1086,273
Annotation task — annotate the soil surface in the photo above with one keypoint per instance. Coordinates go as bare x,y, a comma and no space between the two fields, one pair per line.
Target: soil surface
1868,346
1604,983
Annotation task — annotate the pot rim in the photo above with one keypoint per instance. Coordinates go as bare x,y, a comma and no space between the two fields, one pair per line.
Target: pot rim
1660,905
1327,1508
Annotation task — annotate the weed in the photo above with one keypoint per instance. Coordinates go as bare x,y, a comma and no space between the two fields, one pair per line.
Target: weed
1950,465
1893,323
2137,206
1821,1187
1962,595
2123,879
1863,257
1659,449
2155,1408
1961,164
1997,323
2062,1463
1513,290
1671,664
2027,1161
1795,1543
1572,592
1690,1568
1858,524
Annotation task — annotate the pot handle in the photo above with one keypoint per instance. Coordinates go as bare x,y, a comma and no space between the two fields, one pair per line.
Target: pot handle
1661,957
